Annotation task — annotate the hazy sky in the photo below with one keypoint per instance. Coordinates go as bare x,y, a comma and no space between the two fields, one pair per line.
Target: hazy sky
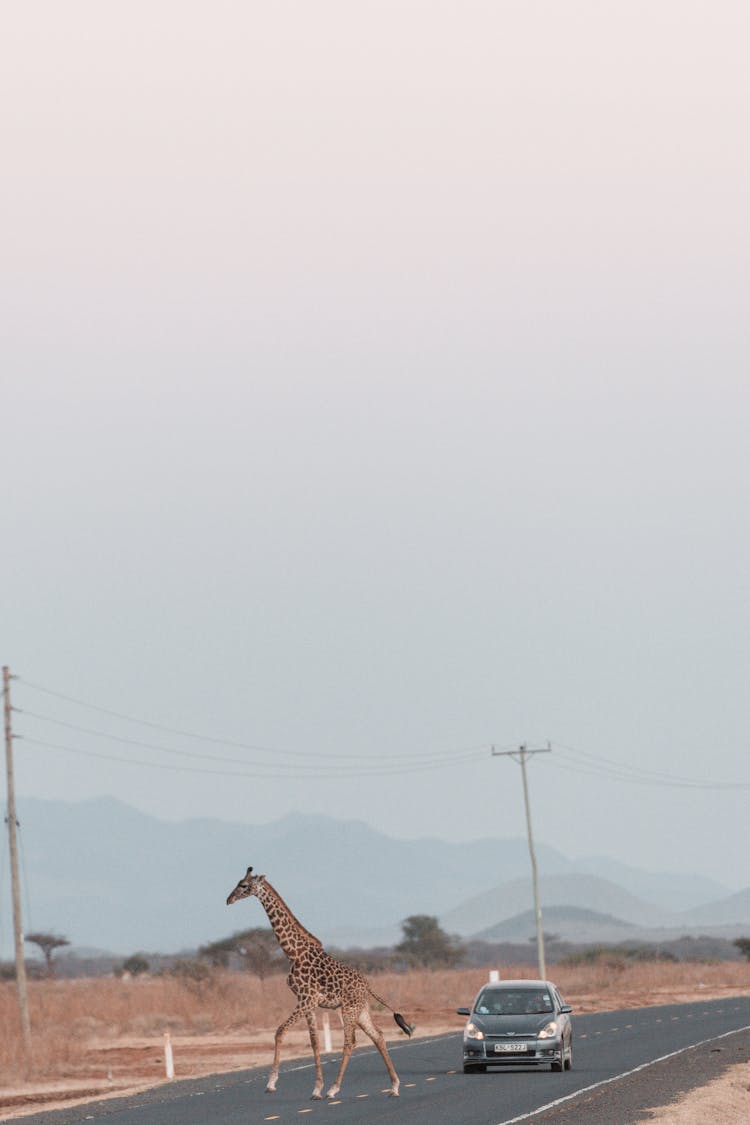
375,389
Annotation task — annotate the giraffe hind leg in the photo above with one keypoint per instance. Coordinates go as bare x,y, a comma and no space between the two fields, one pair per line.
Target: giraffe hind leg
365,1021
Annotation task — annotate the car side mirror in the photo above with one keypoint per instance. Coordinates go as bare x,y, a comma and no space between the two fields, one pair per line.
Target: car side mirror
463,1012
566,1008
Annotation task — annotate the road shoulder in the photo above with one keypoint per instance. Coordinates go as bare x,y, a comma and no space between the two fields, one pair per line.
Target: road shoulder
680,1081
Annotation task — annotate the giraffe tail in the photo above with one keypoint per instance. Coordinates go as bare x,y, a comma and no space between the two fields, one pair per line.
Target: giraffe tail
407,1028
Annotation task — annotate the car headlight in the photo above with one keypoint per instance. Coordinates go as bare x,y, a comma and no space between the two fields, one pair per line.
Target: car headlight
473,1032
549,1032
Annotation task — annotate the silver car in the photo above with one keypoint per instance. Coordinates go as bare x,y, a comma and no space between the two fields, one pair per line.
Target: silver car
518,1023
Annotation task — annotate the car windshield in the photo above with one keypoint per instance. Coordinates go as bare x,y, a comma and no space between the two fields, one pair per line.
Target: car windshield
513,1002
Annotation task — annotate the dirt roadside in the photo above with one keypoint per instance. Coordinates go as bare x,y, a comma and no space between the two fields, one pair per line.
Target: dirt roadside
725,1101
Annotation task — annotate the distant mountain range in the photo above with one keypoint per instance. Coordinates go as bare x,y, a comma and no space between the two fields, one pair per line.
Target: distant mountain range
587,891
573,923
585,908
110,877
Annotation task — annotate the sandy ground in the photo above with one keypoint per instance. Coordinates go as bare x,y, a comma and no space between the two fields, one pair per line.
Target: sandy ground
724,1102
126,1065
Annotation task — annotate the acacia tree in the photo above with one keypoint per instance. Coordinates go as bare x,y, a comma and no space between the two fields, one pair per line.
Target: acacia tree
426,943
260,951
48,943
135,965
218,952
257,949
743,944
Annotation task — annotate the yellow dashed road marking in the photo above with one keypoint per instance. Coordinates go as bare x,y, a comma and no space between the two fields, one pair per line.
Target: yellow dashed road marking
430,1079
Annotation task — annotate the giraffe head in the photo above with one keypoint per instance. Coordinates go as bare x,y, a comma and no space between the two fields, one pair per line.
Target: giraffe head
248,885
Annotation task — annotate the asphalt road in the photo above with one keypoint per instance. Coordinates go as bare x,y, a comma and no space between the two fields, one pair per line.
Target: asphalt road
624,1062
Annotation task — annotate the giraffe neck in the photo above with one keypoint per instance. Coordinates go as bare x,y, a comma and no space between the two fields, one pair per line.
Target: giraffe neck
290,933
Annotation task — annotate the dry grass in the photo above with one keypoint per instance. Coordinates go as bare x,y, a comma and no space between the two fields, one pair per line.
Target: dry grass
74,1019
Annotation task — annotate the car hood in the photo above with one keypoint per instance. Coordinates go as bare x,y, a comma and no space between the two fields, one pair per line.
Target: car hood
504,1025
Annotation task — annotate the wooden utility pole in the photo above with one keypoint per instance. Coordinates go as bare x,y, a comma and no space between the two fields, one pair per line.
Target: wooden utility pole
520,755
23,1003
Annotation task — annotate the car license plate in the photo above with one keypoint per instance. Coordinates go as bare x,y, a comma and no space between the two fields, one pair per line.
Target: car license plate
502,1047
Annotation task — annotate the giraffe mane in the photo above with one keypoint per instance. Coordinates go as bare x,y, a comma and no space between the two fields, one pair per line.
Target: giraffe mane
303,928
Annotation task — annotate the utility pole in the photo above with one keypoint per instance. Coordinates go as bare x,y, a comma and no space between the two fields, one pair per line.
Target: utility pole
23,1003
520,755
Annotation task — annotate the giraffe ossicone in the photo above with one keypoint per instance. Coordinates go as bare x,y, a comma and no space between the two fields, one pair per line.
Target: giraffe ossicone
318,981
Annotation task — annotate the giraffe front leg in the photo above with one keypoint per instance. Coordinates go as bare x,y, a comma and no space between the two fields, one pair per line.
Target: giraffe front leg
313,1029
281,1031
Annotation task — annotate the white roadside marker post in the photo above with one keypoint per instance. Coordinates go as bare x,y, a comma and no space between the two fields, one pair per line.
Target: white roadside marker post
168,1056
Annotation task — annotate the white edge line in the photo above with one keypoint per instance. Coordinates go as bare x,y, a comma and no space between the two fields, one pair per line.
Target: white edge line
617,1077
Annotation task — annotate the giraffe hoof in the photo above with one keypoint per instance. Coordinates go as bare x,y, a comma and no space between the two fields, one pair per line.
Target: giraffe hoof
316,1097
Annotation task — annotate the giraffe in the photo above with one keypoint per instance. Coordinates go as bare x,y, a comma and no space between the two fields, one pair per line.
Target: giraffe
318,981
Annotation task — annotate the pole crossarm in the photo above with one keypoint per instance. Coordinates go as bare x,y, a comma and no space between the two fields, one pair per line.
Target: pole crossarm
522,752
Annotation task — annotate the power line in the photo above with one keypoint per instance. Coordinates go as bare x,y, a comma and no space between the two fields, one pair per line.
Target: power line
426,756
611,769
156,726
429,755
272,772
327,764
599,758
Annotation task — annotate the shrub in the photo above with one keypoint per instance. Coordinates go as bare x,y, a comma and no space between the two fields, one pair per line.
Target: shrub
743,944
616,956
135,965
426,944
